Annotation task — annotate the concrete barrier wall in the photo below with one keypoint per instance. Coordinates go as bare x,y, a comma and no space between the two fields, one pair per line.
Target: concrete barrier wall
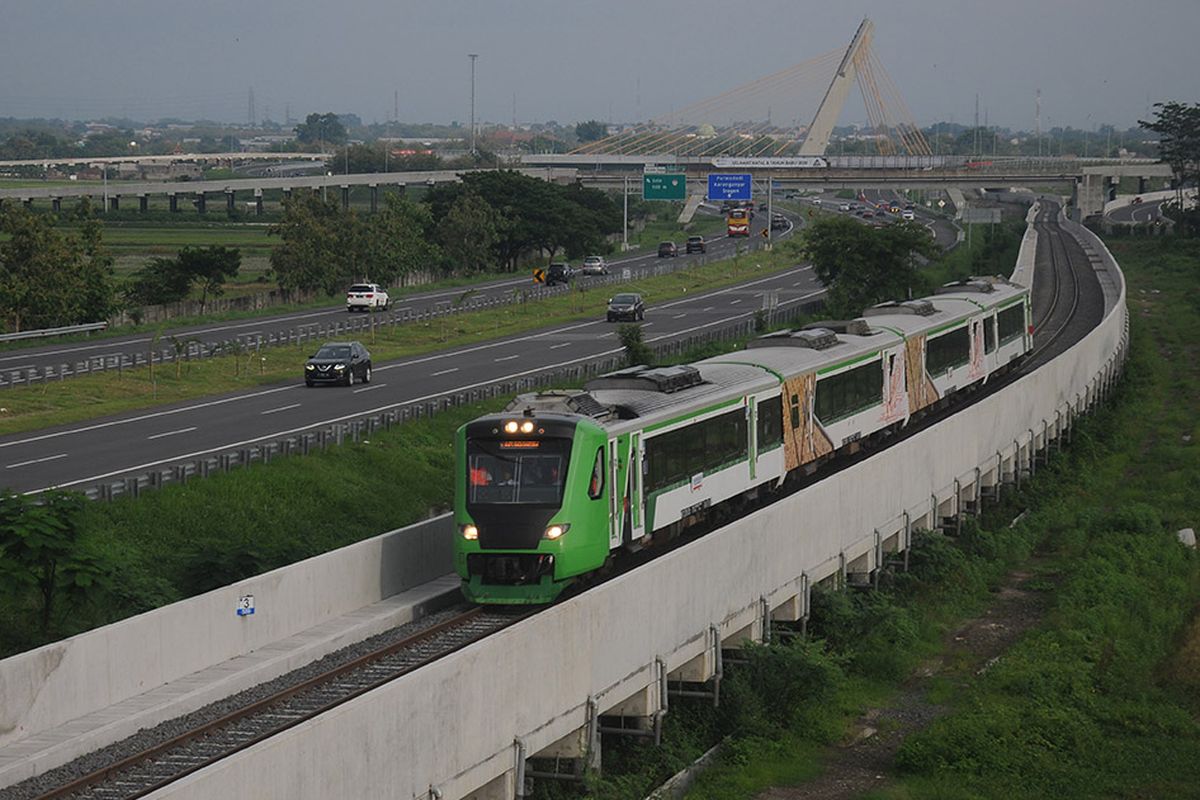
65,680
450,727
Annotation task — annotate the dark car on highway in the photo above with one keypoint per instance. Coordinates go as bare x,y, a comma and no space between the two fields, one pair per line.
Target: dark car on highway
628,305
559,273
696,244
338,362
778,222
667,249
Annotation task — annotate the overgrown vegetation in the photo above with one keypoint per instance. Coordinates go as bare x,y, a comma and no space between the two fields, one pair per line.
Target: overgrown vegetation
1100,700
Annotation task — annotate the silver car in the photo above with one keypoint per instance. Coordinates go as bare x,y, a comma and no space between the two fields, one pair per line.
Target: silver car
594,265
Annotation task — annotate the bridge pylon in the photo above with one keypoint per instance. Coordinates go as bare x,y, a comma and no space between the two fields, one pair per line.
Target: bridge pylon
830,109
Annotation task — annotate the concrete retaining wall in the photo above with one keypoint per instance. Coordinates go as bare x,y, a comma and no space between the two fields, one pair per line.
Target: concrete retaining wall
458,724
65,680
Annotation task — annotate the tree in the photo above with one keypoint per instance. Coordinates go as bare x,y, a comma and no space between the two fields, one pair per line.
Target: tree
591,130
159,282
210,268
394,242
1178,127
321,129
468,234
862,265
48,279
41,550
310,256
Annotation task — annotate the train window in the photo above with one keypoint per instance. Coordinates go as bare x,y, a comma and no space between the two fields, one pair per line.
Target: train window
770,423
849,392
596,483
500,474
989,334
676,456
947,351
1011,323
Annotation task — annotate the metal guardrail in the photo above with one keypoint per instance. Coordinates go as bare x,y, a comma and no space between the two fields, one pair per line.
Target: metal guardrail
185,349
355,430
87,327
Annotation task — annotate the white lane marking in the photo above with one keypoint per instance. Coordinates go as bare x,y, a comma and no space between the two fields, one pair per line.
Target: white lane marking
647,324
445,371
171,433
369,412
735,302
421,360
560,344
371,388
707,308
154,415
35,461
680,316
506,358
281,408
797,283
403,308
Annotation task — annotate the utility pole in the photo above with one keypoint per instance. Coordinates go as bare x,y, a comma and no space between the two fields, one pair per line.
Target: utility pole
472,56
396,106
1037,118
625,216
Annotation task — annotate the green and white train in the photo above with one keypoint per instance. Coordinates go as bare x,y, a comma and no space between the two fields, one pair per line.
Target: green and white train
548,491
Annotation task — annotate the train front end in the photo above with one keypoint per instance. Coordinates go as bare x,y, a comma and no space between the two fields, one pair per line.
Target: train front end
530,505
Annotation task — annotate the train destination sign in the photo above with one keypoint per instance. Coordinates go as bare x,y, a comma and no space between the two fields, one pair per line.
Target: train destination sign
729,186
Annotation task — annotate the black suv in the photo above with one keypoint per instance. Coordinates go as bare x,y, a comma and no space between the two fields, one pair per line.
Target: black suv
338,362
666,249
778,222
628,305
559,273
696,244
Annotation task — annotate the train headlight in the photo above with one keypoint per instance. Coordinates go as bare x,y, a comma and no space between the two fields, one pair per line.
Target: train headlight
526,427
556,531
469,532
510,426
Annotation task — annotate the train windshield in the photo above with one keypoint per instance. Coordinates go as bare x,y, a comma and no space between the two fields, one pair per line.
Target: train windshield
517,471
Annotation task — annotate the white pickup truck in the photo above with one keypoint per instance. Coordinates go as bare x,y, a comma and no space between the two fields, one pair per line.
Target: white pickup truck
366,297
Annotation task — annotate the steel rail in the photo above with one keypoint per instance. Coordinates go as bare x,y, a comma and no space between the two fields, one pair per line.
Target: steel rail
325,689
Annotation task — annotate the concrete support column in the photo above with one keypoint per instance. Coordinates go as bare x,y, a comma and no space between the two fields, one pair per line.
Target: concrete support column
374,187
230,201
201,201
345,198
27,203
258,203
114,202
287,193
401,189
173,202
56,204
1143,184
143,203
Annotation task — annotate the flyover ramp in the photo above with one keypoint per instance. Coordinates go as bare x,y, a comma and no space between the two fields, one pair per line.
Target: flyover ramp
465,721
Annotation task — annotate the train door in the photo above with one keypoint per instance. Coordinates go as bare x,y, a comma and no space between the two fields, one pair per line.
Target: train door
752,430
895,386
638,520
976,369
615,496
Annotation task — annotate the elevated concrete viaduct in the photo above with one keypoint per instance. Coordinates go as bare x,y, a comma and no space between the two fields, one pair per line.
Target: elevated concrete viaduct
477,722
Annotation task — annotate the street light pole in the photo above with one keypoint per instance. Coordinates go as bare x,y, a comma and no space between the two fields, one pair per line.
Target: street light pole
472,56
625,217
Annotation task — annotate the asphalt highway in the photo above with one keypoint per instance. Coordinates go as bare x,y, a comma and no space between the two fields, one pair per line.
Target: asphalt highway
260,328
1138,212
89,452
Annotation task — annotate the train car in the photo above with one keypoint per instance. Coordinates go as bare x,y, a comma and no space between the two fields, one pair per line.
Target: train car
553,487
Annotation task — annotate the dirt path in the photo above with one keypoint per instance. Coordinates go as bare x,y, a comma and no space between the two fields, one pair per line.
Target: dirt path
864,761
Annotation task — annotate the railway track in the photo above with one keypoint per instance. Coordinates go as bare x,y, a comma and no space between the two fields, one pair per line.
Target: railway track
144,772
138,774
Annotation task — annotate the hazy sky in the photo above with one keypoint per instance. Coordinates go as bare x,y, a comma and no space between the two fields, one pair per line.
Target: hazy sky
1095,61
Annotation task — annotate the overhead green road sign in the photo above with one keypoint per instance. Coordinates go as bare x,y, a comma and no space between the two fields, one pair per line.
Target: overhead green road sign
664,187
